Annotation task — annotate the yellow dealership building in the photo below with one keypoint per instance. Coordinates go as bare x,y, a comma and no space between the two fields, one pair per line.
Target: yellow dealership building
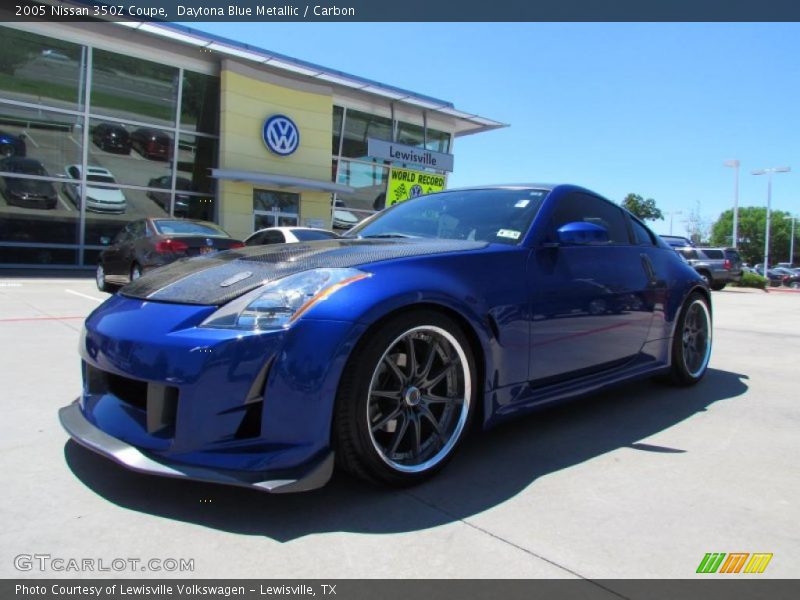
190,125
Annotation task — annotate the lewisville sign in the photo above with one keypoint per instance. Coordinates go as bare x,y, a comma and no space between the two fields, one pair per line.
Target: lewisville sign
410,155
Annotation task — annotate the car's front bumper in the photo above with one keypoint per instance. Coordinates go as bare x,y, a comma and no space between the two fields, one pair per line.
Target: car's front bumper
95,439
218,405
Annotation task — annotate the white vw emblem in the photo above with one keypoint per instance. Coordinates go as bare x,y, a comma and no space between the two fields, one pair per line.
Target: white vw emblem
281,135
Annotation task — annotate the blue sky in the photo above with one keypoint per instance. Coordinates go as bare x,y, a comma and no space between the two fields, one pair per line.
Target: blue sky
653,109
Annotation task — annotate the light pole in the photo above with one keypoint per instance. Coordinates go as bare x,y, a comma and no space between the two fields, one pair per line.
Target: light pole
735,164
769,172
672,214
791,240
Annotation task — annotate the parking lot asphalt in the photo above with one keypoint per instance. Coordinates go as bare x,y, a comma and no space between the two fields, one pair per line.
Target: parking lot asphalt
640,482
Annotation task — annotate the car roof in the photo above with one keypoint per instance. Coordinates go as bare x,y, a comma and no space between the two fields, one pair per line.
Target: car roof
92,170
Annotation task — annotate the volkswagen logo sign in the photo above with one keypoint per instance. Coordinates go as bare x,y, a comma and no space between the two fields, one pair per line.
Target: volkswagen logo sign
281,135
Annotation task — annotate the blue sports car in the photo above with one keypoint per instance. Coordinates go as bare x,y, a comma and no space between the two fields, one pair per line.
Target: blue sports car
266,366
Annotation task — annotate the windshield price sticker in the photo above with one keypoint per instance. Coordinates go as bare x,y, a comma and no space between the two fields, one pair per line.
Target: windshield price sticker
509,233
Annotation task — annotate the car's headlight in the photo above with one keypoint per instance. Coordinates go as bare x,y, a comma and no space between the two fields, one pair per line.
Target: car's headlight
279,303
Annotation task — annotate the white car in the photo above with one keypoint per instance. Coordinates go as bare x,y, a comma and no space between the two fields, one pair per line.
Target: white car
106,199
288,235
343,219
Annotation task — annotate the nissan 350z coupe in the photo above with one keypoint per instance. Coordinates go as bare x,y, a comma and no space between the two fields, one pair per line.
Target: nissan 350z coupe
266,366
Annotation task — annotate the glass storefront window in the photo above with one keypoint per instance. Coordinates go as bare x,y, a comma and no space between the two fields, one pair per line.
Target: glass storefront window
38,69
438,141
369,181
197,155
133,89
338,115
135,155
200,103
36,148
358,127
411,135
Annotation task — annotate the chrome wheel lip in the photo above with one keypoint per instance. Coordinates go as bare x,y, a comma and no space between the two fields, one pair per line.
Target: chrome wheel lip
455,435
706,325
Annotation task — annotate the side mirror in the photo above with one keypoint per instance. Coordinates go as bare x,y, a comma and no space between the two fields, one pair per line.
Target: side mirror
581,232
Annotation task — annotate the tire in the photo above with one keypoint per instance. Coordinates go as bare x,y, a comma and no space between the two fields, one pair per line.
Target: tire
136,271
691,342
717,286
100,279
395,422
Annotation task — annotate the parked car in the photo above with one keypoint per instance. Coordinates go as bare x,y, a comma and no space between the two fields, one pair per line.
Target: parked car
112,138
104,198
27,193
343,219
253,367
678,241
182,200
718,266
288,235
12,145
788,277
146,244
152,143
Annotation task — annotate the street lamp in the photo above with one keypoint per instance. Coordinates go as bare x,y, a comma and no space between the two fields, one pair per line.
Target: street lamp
769,172
791,240
672,214
735,164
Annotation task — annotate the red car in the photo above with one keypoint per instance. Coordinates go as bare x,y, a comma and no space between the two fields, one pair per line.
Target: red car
152,143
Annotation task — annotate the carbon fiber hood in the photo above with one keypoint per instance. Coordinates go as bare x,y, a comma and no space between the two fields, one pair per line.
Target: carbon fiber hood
215,280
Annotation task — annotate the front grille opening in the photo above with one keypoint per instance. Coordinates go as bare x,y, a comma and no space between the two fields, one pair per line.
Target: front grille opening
250,427
130,391
162,408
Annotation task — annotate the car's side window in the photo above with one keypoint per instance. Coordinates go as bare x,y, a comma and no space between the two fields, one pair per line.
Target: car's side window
641,234
590,209
137,229
688,253
256,240
273,237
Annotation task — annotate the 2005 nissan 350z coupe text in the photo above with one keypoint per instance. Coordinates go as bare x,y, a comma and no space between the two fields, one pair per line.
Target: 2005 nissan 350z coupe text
265,366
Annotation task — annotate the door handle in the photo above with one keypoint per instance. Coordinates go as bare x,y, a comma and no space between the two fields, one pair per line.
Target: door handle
647,265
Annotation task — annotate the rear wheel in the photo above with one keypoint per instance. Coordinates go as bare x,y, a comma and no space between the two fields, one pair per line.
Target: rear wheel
406,399
691,343
718,286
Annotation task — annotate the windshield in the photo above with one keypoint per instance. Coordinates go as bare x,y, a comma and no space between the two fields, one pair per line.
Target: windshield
177,227
487,215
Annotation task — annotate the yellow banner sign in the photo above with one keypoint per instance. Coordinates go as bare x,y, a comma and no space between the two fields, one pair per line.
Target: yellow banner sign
405,184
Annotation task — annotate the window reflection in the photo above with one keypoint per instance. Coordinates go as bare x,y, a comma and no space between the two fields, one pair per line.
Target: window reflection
200,103
133,89
38,69
358,127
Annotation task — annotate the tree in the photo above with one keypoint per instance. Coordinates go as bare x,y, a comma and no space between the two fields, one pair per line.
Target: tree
646,210
696,226
752,227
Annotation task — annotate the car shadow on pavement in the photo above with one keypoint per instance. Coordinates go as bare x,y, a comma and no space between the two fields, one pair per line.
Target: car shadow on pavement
491,468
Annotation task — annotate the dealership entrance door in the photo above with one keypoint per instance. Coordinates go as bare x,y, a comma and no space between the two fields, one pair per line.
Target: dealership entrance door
275,209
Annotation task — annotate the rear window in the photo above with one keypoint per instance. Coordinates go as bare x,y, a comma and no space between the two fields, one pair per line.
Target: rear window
304,235
100,179
714,254
177,227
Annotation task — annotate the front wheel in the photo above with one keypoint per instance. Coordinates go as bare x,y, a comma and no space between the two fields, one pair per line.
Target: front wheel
691,343
100,278
406,399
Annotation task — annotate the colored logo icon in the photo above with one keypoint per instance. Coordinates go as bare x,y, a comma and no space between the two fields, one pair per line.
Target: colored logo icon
736,562
281,135
416,190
